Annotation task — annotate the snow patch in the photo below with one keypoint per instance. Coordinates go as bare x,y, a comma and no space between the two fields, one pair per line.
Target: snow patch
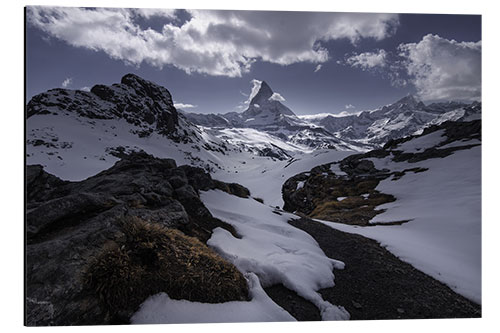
161,309
335,168
424,142
272,249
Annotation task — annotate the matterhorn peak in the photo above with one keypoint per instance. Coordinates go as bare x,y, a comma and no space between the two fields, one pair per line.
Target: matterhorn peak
410,100
264,93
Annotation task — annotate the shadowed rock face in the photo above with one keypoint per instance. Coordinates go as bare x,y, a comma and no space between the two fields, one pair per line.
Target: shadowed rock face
138,101
68,222
262,97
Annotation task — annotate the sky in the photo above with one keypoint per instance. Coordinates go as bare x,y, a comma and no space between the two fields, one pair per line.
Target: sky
320,62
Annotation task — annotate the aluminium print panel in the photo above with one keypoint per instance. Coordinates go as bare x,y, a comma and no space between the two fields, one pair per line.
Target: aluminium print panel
199,166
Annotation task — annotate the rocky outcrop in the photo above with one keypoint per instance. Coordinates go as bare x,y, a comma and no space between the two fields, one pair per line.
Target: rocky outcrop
69,223
323,194
345,191
138,101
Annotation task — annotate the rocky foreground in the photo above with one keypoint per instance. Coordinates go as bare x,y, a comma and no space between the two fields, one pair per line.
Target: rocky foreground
96,249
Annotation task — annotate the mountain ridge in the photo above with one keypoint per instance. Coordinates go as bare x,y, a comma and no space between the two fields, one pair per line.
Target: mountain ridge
372,128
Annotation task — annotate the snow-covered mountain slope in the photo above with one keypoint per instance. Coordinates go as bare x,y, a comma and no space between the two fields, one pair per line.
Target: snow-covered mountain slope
75,134
267,114
421,197
361,131
405,117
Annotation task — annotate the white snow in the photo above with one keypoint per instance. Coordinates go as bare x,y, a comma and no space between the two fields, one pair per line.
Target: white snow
460,143
272,249
264,178
443,204
161,309
300,185
421,143
256,138
336,170
255,90
341,198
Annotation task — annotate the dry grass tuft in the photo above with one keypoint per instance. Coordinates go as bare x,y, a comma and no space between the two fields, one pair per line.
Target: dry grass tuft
148,258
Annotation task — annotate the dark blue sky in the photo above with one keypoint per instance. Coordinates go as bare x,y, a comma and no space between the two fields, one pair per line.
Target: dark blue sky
51,59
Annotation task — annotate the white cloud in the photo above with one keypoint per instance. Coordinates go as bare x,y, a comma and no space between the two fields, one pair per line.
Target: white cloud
443,69
255,89
349,106
211,42
150,12
348,113
66,82
277,97
318,68
184,106
85,88
368,60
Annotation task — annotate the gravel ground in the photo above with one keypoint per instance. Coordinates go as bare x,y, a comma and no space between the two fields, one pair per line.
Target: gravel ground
375,284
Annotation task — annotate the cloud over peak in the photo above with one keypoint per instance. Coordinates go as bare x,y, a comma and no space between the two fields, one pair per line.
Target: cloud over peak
219,43
277,97
66,82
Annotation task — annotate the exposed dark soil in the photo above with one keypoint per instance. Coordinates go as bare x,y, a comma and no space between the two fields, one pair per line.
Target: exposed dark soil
375,284
300,308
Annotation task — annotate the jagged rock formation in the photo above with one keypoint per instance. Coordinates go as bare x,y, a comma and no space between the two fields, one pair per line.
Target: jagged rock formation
138,101
68,223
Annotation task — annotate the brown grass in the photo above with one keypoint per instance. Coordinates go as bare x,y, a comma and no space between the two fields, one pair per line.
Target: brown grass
354,210
148,259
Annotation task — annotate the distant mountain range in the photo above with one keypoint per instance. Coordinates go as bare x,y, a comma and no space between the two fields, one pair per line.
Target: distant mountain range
77,133
365,129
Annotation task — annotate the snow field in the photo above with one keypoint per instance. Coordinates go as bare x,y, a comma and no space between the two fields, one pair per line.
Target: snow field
443,204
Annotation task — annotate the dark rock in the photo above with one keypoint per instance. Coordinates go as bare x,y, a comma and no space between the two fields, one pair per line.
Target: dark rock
178,181
40,183
357,305
185,193
67,211
138,101
69,222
